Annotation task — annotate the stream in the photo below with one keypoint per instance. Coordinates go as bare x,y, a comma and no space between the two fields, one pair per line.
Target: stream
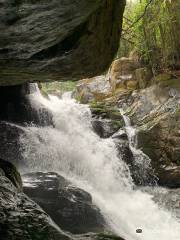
72,149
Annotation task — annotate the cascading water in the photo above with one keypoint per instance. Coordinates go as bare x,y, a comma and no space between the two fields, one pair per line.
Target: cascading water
74,150
142,163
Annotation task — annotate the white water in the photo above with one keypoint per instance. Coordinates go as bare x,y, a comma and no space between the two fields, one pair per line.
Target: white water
141,160
74,150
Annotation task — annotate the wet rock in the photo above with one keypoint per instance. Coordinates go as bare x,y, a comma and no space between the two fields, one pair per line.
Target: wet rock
105,128
161,144
106,120
70,207
155,113
140,176
16,104
11,173
166,197
169,177
20,217
9,139
100,236
106,111
125,153
56,40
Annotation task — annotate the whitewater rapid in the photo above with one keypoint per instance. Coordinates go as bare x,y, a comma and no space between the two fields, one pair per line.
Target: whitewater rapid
92,163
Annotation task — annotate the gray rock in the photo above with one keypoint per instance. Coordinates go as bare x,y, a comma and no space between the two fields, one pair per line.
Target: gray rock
21,218
69,206
57,40
105,128
16,104
11,173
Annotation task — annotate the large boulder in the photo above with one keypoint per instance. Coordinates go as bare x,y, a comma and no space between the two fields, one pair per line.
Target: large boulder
122,73
57,40
161,144
93,89
69,206
20,217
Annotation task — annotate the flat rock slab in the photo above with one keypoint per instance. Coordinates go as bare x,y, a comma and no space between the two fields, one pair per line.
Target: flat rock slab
58,39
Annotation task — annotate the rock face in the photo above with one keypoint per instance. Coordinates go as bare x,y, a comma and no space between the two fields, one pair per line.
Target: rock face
17,111
57,40
11,173
70,207
9,138
20,217
153,107
155,113
16,104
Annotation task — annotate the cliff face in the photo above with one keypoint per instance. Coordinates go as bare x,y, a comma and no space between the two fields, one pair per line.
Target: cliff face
57,40
153,107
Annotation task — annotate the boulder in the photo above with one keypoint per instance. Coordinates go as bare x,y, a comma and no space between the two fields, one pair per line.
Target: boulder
93,89
20,217
105,128
106,120
122,71
57,40
161,144
70,207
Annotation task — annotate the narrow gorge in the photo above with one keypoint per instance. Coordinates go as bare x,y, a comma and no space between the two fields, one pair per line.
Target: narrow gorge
89,134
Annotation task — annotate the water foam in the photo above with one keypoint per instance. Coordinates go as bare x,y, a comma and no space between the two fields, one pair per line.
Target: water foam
74,150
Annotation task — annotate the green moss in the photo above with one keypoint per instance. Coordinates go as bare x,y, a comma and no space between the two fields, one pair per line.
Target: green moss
58,86
110,112
174,83
163,77
118,124
167,80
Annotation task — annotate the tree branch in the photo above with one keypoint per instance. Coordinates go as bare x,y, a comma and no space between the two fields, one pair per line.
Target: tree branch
140,17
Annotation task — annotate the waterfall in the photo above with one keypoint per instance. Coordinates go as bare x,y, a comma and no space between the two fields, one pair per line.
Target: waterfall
76,152
142,163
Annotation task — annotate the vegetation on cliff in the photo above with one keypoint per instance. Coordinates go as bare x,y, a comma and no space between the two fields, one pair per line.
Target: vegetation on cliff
152,29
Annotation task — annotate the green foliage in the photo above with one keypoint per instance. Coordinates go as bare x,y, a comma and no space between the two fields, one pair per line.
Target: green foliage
60,87
152,29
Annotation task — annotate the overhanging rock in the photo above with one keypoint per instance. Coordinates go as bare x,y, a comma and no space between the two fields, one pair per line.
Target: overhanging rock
57,40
